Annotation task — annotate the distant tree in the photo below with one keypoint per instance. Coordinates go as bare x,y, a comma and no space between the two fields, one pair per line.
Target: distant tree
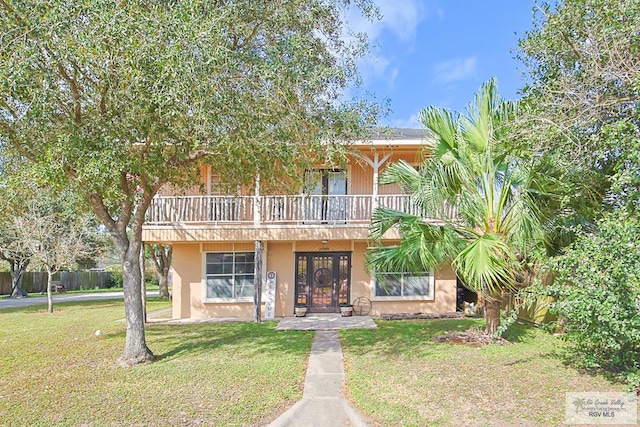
161,256
480,203
52,238
14,194
116,99
15,255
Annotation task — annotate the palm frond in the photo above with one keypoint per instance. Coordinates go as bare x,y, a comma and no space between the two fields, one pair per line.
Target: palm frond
443,124
422,247
487,264
403,174
383,219
474,169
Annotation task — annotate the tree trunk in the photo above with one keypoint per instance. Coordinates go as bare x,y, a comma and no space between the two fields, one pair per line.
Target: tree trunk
49,296
126,234
161,256
492,313
135,347
143,283
17,269
163,285
257,277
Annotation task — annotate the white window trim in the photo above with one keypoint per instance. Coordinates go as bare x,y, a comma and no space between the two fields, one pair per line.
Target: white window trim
205,299
432,286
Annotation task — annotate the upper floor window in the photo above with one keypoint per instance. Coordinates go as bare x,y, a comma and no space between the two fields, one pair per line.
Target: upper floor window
230,275
215,185
218,187
328,182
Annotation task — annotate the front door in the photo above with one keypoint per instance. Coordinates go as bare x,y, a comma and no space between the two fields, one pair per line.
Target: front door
323,280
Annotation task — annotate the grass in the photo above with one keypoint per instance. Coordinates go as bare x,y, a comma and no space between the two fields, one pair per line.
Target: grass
55,371
149,287
400,377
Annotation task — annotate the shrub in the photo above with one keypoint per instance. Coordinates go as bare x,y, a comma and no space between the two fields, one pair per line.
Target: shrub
598,292
115,279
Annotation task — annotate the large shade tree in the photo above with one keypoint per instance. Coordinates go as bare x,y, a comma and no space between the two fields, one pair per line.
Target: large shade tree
582,87
480,203
115,99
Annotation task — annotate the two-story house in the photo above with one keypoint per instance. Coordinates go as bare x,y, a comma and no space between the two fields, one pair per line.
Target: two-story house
314,241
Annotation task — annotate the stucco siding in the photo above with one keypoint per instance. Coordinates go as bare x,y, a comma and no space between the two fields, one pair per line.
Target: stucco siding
189,273
280,258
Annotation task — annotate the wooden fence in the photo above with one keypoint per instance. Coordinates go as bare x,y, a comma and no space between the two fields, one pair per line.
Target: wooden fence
36,281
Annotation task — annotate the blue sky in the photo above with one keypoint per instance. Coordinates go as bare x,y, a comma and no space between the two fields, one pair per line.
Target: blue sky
439,52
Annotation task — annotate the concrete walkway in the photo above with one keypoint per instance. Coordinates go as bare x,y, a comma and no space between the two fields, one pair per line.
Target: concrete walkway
325,322
323,402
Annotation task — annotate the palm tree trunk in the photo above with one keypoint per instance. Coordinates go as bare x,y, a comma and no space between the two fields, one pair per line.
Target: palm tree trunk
492,313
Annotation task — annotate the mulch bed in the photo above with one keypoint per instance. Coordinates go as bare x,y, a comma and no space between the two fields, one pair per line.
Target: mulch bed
414,316
470,337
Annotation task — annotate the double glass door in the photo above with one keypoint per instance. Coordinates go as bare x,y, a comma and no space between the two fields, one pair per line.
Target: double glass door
327,188
323,281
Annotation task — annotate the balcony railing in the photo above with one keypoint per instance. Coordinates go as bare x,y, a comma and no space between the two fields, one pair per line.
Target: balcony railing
268,210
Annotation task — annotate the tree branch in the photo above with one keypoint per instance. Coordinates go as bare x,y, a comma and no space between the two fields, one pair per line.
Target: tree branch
101,211
126,207
75,92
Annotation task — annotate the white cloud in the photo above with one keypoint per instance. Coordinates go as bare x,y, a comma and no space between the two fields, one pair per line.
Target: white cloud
399,22
400,18
455,70
378,68
409,123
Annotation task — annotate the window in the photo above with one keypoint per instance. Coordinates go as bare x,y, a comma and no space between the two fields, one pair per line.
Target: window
328,182
400,285
229,275
327,188
218,187
215,185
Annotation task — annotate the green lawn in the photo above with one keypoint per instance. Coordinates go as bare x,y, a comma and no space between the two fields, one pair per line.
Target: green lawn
150,287
400,377
55,371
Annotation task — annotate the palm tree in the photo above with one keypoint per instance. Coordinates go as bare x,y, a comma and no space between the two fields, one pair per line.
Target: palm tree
495,196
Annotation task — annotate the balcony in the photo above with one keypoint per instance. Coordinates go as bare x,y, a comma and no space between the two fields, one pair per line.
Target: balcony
281,210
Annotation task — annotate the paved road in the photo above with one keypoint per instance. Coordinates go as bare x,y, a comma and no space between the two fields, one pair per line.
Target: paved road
23,302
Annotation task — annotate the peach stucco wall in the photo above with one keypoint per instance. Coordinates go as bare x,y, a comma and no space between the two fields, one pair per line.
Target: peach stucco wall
188,292
280,257
444,300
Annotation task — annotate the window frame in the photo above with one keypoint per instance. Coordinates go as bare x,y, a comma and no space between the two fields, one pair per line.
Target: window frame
216,187
321,176
431,284
234,275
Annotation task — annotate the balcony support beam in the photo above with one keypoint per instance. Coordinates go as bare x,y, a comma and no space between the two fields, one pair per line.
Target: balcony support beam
257,277
256,202
375,164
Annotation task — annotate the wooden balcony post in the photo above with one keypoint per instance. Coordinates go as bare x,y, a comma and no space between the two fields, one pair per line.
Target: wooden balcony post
376,176
256,203
257,283
375,164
